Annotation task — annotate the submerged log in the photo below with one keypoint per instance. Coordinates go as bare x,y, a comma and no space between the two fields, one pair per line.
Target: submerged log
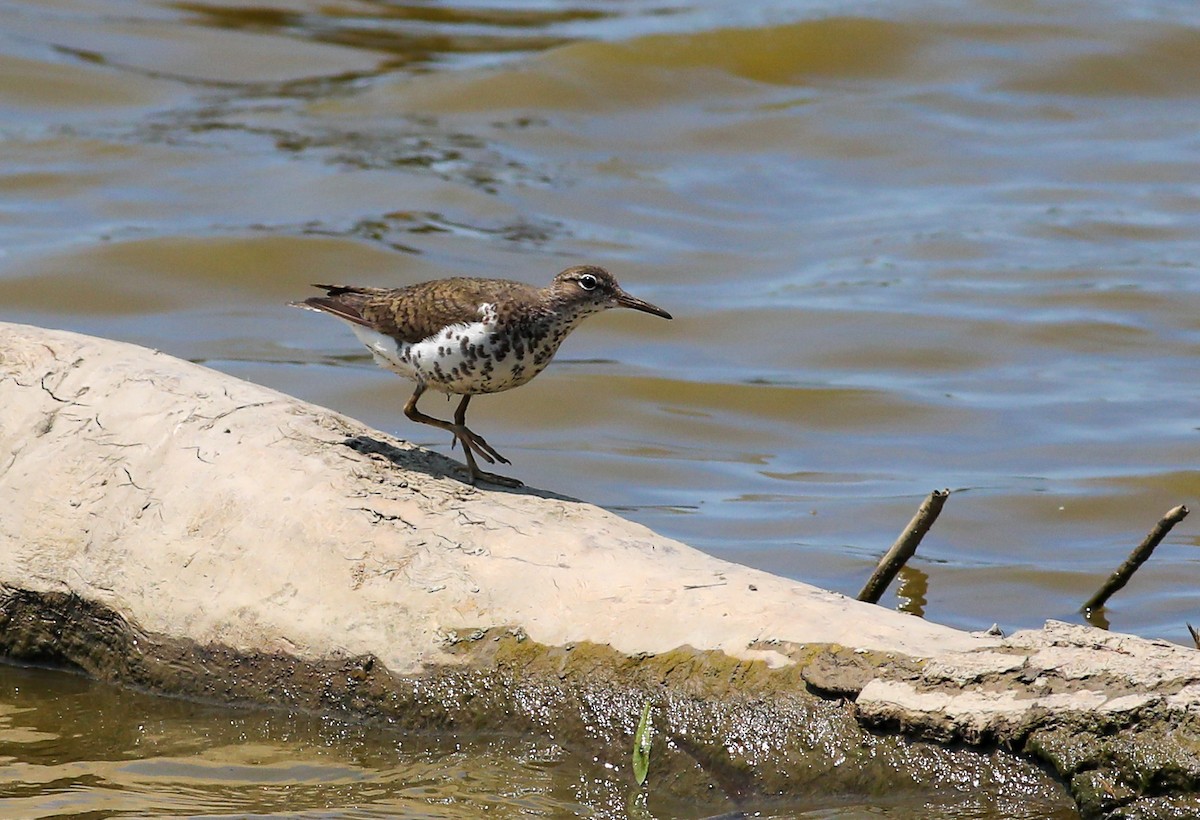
166,526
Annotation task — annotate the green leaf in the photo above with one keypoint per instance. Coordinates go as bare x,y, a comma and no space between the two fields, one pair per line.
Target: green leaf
641,745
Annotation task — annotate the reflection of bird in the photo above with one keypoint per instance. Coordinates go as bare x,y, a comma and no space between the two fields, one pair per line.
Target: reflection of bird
469,336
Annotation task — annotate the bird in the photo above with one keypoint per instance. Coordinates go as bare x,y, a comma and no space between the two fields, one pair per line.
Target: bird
465,336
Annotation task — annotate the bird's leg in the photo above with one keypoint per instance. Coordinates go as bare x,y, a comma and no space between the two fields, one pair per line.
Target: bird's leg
472,443
476,441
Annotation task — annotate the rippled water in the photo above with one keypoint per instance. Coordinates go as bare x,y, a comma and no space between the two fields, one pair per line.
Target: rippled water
908,246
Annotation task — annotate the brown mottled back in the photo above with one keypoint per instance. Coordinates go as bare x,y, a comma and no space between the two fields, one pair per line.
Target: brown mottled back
420,311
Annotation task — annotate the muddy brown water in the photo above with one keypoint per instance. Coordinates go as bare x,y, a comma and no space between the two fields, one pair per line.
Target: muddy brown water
908,246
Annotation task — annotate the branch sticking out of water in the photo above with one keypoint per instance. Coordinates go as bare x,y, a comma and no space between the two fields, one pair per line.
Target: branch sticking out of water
904,548
1123,573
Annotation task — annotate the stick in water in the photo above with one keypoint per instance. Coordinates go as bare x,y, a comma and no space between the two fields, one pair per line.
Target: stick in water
904,548
1136,558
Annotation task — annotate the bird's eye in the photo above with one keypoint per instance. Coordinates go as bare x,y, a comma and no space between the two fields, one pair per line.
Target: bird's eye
588,282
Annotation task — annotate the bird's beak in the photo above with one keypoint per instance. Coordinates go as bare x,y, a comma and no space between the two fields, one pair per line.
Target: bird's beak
623,299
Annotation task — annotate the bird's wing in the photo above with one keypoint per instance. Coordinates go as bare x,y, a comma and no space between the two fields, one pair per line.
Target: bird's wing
415,313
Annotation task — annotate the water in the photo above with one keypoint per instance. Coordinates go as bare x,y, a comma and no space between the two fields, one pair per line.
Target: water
908,246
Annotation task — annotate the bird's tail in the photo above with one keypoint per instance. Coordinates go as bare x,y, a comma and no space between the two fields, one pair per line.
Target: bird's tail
343,301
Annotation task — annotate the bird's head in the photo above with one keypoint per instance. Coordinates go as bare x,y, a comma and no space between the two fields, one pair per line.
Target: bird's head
594,289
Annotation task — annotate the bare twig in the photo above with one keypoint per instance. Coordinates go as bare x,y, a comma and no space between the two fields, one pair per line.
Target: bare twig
1195,635
904,548
1136,558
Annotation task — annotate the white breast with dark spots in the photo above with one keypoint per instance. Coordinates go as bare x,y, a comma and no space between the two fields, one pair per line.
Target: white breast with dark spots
470,357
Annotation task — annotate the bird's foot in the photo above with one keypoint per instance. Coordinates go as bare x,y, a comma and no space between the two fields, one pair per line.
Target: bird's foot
473,442
492,478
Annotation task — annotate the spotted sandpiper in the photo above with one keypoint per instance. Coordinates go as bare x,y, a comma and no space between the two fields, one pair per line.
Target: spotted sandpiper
469,336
